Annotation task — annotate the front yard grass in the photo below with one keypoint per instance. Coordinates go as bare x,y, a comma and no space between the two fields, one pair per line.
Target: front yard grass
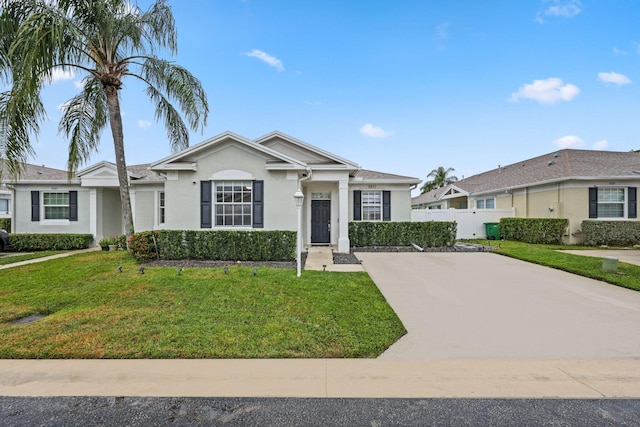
94,311
628,275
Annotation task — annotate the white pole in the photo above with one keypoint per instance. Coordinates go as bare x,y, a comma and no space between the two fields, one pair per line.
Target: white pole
299,197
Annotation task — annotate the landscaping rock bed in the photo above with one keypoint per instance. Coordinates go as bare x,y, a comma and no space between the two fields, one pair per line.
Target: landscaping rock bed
194,263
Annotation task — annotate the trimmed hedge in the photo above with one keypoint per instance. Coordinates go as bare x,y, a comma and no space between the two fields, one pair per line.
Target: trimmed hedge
424,234
219,245
534,230
610,233
6,224
49,242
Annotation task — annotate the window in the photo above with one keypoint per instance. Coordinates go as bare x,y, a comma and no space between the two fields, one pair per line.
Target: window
610,202
486,204
56,205
371,205
233,202
435,207
161,207
4,205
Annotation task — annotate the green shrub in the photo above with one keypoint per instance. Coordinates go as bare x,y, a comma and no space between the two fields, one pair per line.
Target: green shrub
424,234
534,230
610,233
220,245
5,223
50,242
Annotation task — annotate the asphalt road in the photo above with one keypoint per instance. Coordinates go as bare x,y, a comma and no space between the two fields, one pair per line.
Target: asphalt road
125,411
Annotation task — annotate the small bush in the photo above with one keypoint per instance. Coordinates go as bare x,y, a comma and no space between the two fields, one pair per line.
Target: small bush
50,242
5,223
220,245
534,230
610,233
424,234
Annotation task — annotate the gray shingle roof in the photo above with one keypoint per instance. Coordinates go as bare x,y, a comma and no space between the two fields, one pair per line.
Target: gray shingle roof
369,174
556,166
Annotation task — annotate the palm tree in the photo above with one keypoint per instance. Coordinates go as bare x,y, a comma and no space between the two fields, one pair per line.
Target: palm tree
106,41
440,179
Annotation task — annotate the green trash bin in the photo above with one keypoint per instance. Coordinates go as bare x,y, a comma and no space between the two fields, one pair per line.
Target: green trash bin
492,230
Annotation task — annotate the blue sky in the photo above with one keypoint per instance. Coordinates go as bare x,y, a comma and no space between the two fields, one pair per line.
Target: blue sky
399,86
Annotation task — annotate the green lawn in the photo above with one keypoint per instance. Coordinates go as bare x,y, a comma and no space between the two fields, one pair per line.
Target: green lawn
628,275
94,311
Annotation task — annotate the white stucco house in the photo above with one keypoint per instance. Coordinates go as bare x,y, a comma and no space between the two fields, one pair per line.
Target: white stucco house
225,182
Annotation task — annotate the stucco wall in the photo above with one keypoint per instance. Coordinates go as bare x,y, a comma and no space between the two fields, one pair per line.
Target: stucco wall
182,189
22,223
400,199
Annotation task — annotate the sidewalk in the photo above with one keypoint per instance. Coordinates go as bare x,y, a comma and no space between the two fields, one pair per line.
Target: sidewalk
47,258
316,378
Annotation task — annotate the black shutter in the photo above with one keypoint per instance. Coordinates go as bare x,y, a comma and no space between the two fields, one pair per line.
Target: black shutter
258,204
357,205
386,205
633,202
73,205
205,204
593,202
35,206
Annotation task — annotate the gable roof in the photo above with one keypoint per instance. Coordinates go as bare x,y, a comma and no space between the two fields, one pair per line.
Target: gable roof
187,158
315,155
557,166
449,191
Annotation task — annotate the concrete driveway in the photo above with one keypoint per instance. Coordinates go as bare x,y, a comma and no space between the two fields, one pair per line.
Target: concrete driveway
487,306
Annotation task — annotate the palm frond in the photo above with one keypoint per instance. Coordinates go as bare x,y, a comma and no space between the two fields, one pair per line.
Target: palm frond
177,132
83,119
179,85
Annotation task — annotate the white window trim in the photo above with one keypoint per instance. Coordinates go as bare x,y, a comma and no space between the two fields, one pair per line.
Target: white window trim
215,204
48,221
380,205
625,204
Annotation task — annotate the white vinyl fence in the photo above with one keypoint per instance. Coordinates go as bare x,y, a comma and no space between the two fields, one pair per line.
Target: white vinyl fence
470,222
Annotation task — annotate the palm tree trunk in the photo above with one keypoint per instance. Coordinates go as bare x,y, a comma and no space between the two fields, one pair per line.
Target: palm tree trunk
115,121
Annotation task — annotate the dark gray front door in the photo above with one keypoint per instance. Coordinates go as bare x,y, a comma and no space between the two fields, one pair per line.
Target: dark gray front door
320,221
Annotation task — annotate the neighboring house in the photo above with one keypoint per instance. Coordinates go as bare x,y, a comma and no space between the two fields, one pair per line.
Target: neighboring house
226,182
6,198
572,184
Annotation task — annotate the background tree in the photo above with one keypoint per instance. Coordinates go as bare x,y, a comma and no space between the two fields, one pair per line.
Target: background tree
440,178
106,40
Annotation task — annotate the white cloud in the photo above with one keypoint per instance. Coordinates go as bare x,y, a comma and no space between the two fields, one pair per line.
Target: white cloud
272,61
569,141
546,91
442,30
617,51
58,74
619,79
559,8
79,84
601,145
144,124
373,131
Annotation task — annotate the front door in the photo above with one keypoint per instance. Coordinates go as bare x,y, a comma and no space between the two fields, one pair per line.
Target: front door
321,221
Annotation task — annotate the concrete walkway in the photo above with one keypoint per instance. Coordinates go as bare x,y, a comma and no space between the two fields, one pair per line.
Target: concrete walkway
320,258
47,258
